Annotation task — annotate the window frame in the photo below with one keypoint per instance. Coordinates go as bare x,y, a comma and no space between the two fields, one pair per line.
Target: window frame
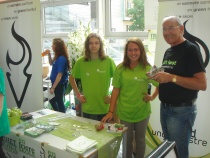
45,4
107,29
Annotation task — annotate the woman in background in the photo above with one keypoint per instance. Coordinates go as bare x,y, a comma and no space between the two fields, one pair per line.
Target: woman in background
129,94
4,120
95,70
59,74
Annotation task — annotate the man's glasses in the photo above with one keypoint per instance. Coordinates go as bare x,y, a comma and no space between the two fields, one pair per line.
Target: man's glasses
171,28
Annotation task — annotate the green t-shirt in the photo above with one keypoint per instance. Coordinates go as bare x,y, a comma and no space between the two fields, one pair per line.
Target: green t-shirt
4,120
133,84
95,76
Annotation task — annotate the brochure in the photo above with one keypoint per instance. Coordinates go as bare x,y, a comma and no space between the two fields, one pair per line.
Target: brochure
80,144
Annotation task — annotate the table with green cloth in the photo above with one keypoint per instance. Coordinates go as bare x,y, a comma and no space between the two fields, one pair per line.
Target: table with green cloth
53,144
71,127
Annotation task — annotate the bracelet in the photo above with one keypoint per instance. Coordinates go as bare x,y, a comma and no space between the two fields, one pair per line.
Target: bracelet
78,95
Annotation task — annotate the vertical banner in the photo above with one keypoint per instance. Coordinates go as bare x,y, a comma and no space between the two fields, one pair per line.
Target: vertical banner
20,49
195,15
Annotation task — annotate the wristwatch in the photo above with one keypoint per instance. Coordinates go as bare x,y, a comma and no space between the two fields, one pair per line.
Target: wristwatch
174,79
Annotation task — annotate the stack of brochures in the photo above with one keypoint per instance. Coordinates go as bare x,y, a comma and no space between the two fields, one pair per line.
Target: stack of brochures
80,145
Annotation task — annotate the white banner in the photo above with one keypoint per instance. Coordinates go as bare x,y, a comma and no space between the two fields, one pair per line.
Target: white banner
195,15
18,145
20,49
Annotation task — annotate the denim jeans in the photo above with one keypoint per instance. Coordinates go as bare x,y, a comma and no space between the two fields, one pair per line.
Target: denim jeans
58,101
177,123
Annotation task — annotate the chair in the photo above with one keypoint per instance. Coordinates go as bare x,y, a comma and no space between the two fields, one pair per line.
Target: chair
165,150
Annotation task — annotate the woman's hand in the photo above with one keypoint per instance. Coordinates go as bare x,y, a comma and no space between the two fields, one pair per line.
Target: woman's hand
107,99
147,97
46,52
107,118
81,98
52,90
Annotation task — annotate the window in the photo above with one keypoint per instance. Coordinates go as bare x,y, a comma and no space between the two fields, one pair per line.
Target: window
120,17
62,17
118,25
66,18
129,3
115,49
59,17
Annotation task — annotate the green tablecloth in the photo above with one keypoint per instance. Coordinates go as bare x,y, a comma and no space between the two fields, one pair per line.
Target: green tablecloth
69,129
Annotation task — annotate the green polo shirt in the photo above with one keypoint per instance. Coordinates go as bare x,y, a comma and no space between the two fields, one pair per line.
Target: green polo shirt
133,84
95,76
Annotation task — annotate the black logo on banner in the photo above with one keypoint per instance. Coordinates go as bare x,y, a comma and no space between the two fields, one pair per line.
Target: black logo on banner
197,41
26,48
42,153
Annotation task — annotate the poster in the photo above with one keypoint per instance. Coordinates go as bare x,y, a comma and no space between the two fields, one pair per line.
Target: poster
20,49
195,14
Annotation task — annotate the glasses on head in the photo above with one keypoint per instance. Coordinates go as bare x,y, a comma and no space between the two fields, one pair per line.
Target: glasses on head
171,28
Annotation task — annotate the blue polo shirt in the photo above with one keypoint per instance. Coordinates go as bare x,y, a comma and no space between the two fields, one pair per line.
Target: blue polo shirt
59,66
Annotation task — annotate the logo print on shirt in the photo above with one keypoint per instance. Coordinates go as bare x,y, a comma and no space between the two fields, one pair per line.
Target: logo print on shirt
138,79
100,71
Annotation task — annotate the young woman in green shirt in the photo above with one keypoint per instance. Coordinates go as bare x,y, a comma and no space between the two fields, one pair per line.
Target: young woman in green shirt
95,70
130,87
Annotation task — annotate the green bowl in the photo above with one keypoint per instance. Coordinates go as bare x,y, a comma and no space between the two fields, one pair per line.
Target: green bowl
14,120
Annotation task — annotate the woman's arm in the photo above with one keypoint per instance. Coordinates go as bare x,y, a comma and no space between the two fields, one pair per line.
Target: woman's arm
74,85
57,80
47,52
113,102
76,90
148,97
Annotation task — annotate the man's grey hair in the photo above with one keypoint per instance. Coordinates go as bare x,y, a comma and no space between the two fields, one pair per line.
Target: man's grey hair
175,18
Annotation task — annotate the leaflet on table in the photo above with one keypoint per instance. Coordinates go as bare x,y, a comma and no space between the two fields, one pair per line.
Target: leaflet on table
80,144
43,112
34,132
45,126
